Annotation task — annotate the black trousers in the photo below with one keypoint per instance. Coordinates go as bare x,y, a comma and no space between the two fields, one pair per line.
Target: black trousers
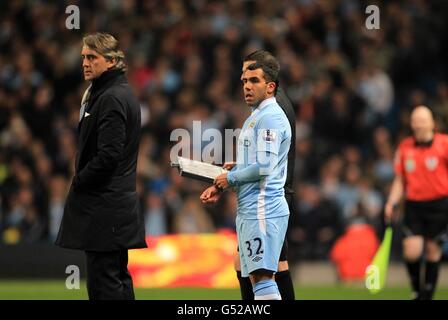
108,277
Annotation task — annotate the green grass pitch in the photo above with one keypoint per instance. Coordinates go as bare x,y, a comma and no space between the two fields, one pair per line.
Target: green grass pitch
55,290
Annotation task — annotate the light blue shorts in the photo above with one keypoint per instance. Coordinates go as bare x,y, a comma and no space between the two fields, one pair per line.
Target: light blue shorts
260,243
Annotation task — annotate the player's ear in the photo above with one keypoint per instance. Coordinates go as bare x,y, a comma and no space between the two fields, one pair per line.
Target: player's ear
271,88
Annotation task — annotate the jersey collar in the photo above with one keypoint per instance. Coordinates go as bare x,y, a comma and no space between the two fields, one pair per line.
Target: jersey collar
423,144
264,104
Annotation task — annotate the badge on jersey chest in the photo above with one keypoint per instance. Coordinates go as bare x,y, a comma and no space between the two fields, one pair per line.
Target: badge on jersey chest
431,163
409,165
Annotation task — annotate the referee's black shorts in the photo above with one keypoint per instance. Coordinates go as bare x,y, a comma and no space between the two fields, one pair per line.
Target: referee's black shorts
426,218
291,199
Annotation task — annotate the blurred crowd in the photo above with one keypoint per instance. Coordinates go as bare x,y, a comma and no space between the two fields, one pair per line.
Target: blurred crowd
352,90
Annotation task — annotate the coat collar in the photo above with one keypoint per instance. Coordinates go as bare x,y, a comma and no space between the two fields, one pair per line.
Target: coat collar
106,79
98,86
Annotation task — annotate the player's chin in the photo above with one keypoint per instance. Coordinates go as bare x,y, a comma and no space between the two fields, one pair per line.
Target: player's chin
249,98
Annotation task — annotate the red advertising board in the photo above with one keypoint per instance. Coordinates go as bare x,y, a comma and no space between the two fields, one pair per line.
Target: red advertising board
185,260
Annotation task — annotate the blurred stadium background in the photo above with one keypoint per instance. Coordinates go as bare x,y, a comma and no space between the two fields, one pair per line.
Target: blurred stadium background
352,89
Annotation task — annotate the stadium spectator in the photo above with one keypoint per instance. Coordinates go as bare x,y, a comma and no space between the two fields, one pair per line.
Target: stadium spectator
317,224
58,193
155,215
192,218
354,250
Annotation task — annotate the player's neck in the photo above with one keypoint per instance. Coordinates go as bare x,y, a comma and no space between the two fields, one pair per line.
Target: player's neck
424,140
264,103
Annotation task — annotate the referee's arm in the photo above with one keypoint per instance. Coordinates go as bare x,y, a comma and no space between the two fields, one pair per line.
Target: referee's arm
395,195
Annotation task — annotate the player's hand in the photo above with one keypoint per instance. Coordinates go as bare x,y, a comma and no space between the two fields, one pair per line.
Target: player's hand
210,195
229,165
388,212
221,181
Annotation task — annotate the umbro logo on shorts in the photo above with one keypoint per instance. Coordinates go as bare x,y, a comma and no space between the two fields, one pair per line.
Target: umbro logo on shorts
257,258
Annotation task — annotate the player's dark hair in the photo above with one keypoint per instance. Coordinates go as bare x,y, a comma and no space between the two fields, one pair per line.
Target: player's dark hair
265,61
262,56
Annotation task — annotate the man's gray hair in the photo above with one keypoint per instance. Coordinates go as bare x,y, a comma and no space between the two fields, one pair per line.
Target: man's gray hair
107,46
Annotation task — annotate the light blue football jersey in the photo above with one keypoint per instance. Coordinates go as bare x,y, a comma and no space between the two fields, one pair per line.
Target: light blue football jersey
265,132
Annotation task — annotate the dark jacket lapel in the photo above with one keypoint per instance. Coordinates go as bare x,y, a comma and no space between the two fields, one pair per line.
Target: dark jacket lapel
99,86
105,81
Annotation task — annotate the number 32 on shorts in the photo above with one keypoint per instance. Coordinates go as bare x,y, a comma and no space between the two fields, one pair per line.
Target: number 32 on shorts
251,245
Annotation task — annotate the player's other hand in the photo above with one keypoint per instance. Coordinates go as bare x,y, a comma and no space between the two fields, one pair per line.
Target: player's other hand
221,181
229,165
388,212
210,195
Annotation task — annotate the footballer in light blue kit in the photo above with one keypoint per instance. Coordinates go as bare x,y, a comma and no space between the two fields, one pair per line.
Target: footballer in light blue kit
259,178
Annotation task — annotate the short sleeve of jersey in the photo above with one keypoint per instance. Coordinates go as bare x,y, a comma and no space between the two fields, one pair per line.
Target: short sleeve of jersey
445,140
398,161
269,134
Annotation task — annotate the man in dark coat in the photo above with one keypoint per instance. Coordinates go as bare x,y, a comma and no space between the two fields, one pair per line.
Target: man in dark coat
102,215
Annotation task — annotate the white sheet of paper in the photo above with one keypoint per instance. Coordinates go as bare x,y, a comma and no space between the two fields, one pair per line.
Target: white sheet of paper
200,169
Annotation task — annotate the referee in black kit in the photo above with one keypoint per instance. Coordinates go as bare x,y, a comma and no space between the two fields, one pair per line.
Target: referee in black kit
282,276
421,177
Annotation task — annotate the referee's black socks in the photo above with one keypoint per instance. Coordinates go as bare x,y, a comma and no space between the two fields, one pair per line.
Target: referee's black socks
431,275
414,273
285,286
283,280
245,287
